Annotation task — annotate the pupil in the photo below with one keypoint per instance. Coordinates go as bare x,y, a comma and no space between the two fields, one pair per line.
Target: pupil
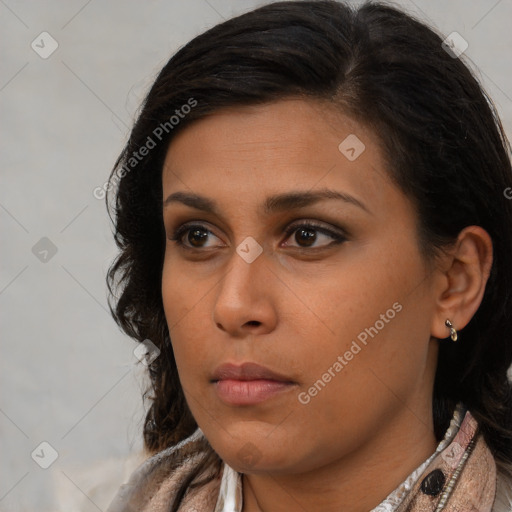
199,233
309,237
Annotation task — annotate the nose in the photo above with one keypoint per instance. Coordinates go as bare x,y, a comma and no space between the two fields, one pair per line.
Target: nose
244,302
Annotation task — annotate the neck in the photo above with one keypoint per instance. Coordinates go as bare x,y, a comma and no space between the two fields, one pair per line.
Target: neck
357,482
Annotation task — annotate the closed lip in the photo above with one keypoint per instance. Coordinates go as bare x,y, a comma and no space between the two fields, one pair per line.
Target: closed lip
247,371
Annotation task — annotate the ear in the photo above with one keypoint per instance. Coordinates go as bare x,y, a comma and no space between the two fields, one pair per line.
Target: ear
466,269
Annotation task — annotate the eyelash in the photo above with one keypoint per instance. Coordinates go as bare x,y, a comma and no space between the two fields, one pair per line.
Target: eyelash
338,238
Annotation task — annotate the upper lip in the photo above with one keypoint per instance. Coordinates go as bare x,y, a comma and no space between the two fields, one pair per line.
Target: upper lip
247,371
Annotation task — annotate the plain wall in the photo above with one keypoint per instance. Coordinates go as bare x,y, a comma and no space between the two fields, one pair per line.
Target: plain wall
68,375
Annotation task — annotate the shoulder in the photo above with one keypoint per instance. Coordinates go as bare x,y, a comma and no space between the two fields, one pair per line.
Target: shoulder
155,482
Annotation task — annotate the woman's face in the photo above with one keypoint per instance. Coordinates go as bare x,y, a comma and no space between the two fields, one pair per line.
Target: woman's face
339,314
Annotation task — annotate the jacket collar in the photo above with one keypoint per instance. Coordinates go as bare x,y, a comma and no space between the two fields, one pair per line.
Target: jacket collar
459,477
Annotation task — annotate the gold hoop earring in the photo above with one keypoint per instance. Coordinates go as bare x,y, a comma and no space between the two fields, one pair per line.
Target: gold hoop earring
453,331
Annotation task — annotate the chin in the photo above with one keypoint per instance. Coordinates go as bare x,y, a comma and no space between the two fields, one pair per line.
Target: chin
253,453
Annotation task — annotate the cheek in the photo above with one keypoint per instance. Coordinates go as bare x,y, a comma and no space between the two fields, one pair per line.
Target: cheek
359,295
182,298
367,311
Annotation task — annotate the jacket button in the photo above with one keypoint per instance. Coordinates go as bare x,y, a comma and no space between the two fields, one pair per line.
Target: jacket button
433,483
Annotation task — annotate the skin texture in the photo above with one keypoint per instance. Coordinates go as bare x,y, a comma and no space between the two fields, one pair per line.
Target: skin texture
301,304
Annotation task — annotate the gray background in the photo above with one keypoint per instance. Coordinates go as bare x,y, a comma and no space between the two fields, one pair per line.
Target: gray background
68,375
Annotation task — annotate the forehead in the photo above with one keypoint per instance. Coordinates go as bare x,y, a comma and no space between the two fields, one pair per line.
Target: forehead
242,154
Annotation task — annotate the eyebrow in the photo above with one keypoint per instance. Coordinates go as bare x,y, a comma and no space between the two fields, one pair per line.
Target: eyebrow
273,204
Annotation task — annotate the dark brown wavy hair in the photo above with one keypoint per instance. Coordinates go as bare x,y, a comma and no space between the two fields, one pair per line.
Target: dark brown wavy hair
444,147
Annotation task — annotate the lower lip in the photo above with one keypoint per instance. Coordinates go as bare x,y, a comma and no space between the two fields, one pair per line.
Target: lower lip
249,392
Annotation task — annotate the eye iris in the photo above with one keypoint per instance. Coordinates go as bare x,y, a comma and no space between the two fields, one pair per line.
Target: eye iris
309,236
199,233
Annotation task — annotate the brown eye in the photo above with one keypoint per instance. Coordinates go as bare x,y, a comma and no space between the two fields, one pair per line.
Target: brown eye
195,236
306,235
